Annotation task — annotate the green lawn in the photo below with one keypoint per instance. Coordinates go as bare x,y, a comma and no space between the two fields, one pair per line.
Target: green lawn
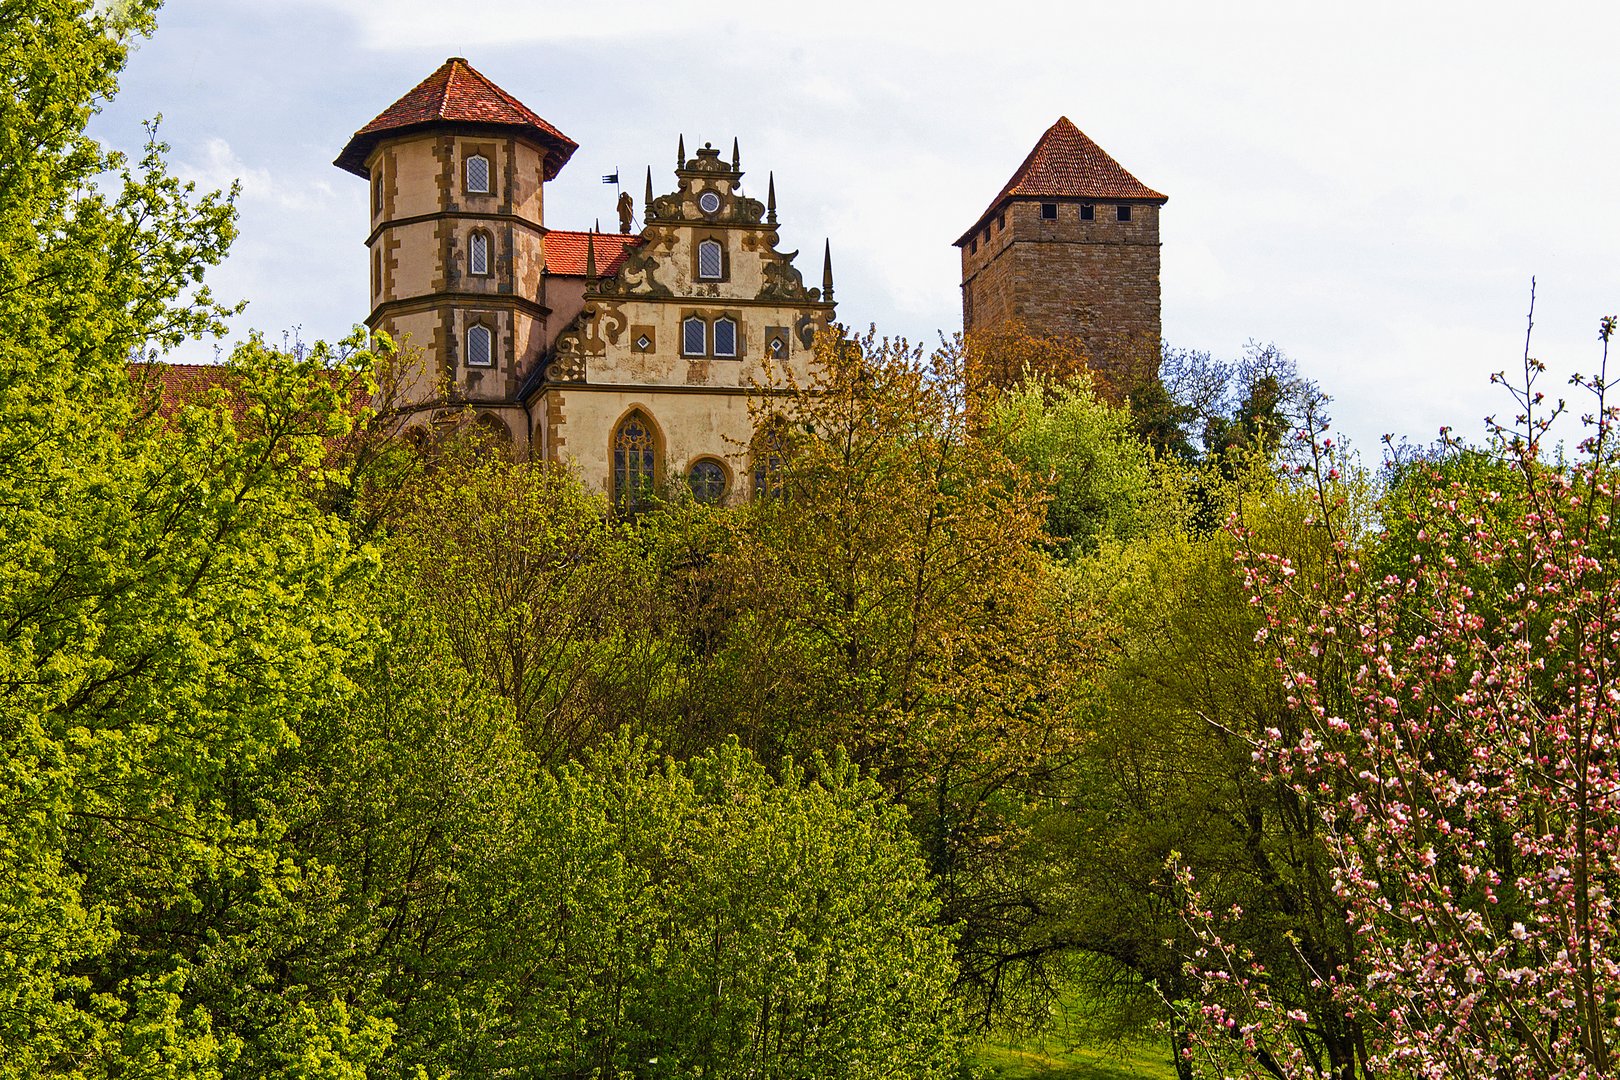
1045,1057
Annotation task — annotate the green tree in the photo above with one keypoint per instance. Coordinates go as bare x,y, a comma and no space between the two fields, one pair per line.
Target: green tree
168,607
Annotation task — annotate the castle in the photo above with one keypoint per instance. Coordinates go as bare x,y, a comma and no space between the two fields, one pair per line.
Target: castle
633,356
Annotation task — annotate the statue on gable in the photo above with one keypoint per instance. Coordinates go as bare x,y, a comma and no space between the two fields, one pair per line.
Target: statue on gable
627,210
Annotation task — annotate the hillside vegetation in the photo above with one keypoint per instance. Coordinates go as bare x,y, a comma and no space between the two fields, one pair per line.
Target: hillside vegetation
333,749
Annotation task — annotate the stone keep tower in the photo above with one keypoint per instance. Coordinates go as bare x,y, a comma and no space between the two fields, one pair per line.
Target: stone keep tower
457,169
1070,248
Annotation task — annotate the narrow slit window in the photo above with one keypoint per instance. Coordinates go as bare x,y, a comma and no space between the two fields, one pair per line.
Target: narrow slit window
480,346
711,260
478,174
725,337
478,259
1123,212
376,191
694,337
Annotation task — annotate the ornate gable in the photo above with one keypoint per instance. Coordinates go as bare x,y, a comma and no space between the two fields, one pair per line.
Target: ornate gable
703,299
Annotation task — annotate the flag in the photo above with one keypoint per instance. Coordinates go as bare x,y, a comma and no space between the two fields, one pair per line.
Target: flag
611,178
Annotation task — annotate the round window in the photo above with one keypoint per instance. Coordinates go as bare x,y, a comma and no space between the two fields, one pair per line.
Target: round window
709,202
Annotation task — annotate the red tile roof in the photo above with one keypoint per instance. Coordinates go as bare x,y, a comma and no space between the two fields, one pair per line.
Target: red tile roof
1066,164
170,386
456,94
565,252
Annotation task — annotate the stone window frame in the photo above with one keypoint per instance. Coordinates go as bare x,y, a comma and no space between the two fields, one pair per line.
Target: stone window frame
489,253
655,476
687,320
1088,212
487,325
1049,211
377,191
725,479
767,456
1122,212
376,271
478,150
736,337
725,258
778,333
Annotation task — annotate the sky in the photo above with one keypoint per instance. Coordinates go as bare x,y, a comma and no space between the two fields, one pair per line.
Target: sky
1369,186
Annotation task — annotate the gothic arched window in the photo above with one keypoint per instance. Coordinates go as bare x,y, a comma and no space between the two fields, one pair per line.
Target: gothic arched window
480,346
635,460
694,336
478,254
478,174
707,479
725,337
711,260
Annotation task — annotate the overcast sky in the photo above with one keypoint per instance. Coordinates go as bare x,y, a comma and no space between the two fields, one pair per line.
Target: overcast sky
1371,186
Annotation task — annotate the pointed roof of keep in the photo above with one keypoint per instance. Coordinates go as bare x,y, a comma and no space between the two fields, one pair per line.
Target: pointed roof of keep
457,93
1067,164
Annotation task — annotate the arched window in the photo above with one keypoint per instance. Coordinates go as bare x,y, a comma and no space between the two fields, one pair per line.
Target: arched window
770,457
634,462
725,337
478,174
478,254
707,479
694,336
480,346
711,260
376,191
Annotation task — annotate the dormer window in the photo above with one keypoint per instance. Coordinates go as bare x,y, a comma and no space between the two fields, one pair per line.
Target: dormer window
711,260
725,337
478,174
478,254
480,346
694,336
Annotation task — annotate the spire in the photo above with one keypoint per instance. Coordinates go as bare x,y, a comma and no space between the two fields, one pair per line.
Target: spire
826,273
736,158
680,152
770,202
590,259
648,214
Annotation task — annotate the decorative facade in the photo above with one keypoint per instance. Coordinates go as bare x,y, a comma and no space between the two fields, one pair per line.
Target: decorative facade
631,357
1069,248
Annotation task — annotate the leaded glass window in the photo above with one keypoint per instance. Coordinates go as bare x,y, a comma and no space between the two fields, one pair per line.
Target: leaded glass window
478,174
707,480
479,254
634,462
725,337
694,337
480,346
711,260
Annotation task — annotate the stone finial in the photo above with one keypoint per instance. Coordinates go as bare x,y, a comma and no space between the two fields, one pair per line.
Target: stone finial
736,158
826,273
590,258
680,152
770,201
648,216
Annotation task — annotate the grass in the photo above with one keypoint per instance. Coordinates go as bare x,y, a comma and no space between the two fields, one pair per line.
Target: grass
1044,1057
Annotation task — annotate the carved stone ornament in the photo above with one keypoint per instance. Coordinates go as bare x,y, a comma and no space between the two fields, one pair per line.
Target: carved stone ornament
806,326
638,274
567,364
783,280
